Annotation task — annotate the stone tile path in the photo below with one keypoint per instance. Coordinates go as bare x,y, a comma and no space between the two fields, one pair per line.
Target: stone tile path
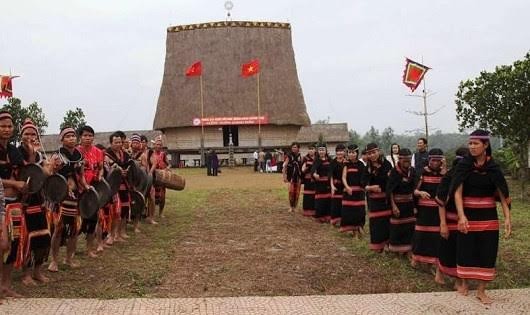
516,301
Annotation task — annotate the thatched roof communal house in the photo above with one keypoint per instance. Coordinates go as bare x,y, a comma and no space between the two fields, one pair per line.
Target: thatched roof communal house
230,100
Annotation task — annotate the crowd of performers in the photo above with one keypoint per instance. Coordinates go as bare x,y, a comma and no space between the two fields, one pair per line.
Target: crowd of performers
33,229
416,205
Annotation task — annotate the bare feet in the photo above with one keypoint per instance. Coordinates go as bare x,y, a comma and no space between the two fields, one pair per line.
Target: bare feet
100,248
439,277
72,263
150,221
481,295
92,254
413,263
125,236
109,241
28,281
119,239
360,234
10,293
53,267
41,278
462,288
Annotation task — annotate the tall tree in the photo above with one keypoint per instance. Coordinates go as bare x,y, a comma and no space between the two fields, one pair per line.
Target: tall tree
74,118
387,138
20,113
499,101
372,136
355,138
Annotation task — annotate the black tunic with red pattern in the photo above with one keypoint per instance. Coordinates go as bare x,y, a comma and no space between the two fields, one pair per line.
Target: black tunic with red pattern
426,240
353,215
477,250
447,248
401,185
308,202
336,168
322,189
379,211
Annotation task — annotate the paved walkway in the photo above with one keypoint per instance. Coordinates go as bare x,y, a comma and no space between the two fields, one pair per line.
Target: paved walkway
516,301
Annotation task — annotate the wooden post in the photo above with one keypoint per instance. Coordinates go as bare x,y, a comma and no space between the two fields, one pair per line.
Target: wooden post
202,121
425,111
259,113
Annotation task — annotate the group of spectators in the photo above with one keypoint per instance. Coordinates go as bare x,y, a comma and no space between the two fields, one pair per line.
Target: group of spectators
268,161
212,163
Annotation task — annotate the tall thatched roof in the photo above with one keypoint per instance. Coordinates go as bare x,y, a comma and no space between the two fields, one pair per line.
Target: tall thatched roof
223,47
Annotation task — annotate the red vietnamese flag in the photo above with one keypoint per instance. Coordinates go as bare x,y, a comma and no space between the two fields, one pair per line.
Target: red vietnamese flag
194,70
413,74
6,86
250,69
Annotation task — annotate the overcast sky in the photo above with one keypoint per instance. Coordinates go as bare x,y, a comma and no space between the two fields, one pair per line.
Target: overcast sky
107,57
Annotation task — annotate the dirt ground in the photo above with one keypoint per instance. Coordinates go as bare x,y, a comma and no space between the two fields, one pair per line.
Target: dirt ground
244,242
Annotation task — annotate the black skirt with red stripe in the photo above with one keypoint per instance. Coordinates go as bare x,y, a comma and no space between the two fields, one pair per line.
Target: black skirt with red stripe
402,227
336,205
308,201
477,250
322,205
322,191
323,200
426,241
336,168
379,220
353,215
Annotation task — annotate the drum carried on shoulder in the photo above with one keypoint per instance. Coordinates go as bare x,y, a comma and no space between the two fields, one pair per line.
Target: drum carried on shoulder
169,179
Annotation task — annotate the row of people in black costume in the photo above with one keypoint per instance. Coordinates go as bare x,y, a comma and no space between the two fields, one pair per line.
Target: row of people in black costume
32,228
438,216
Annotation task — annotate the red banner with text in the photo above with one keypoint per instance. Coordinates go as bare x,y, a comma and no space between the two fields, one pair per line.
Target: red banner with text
220,121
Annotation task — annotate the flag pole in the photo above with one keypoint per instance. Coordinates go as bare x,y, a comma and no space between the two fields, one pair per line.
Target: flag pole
425,104
202,120
425,110
259,113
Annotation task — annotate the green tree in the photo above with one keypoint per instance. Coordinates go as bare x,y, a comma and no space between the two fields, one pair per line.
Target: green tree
74,118
500,101
20,113
387,138
372,136
355,138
